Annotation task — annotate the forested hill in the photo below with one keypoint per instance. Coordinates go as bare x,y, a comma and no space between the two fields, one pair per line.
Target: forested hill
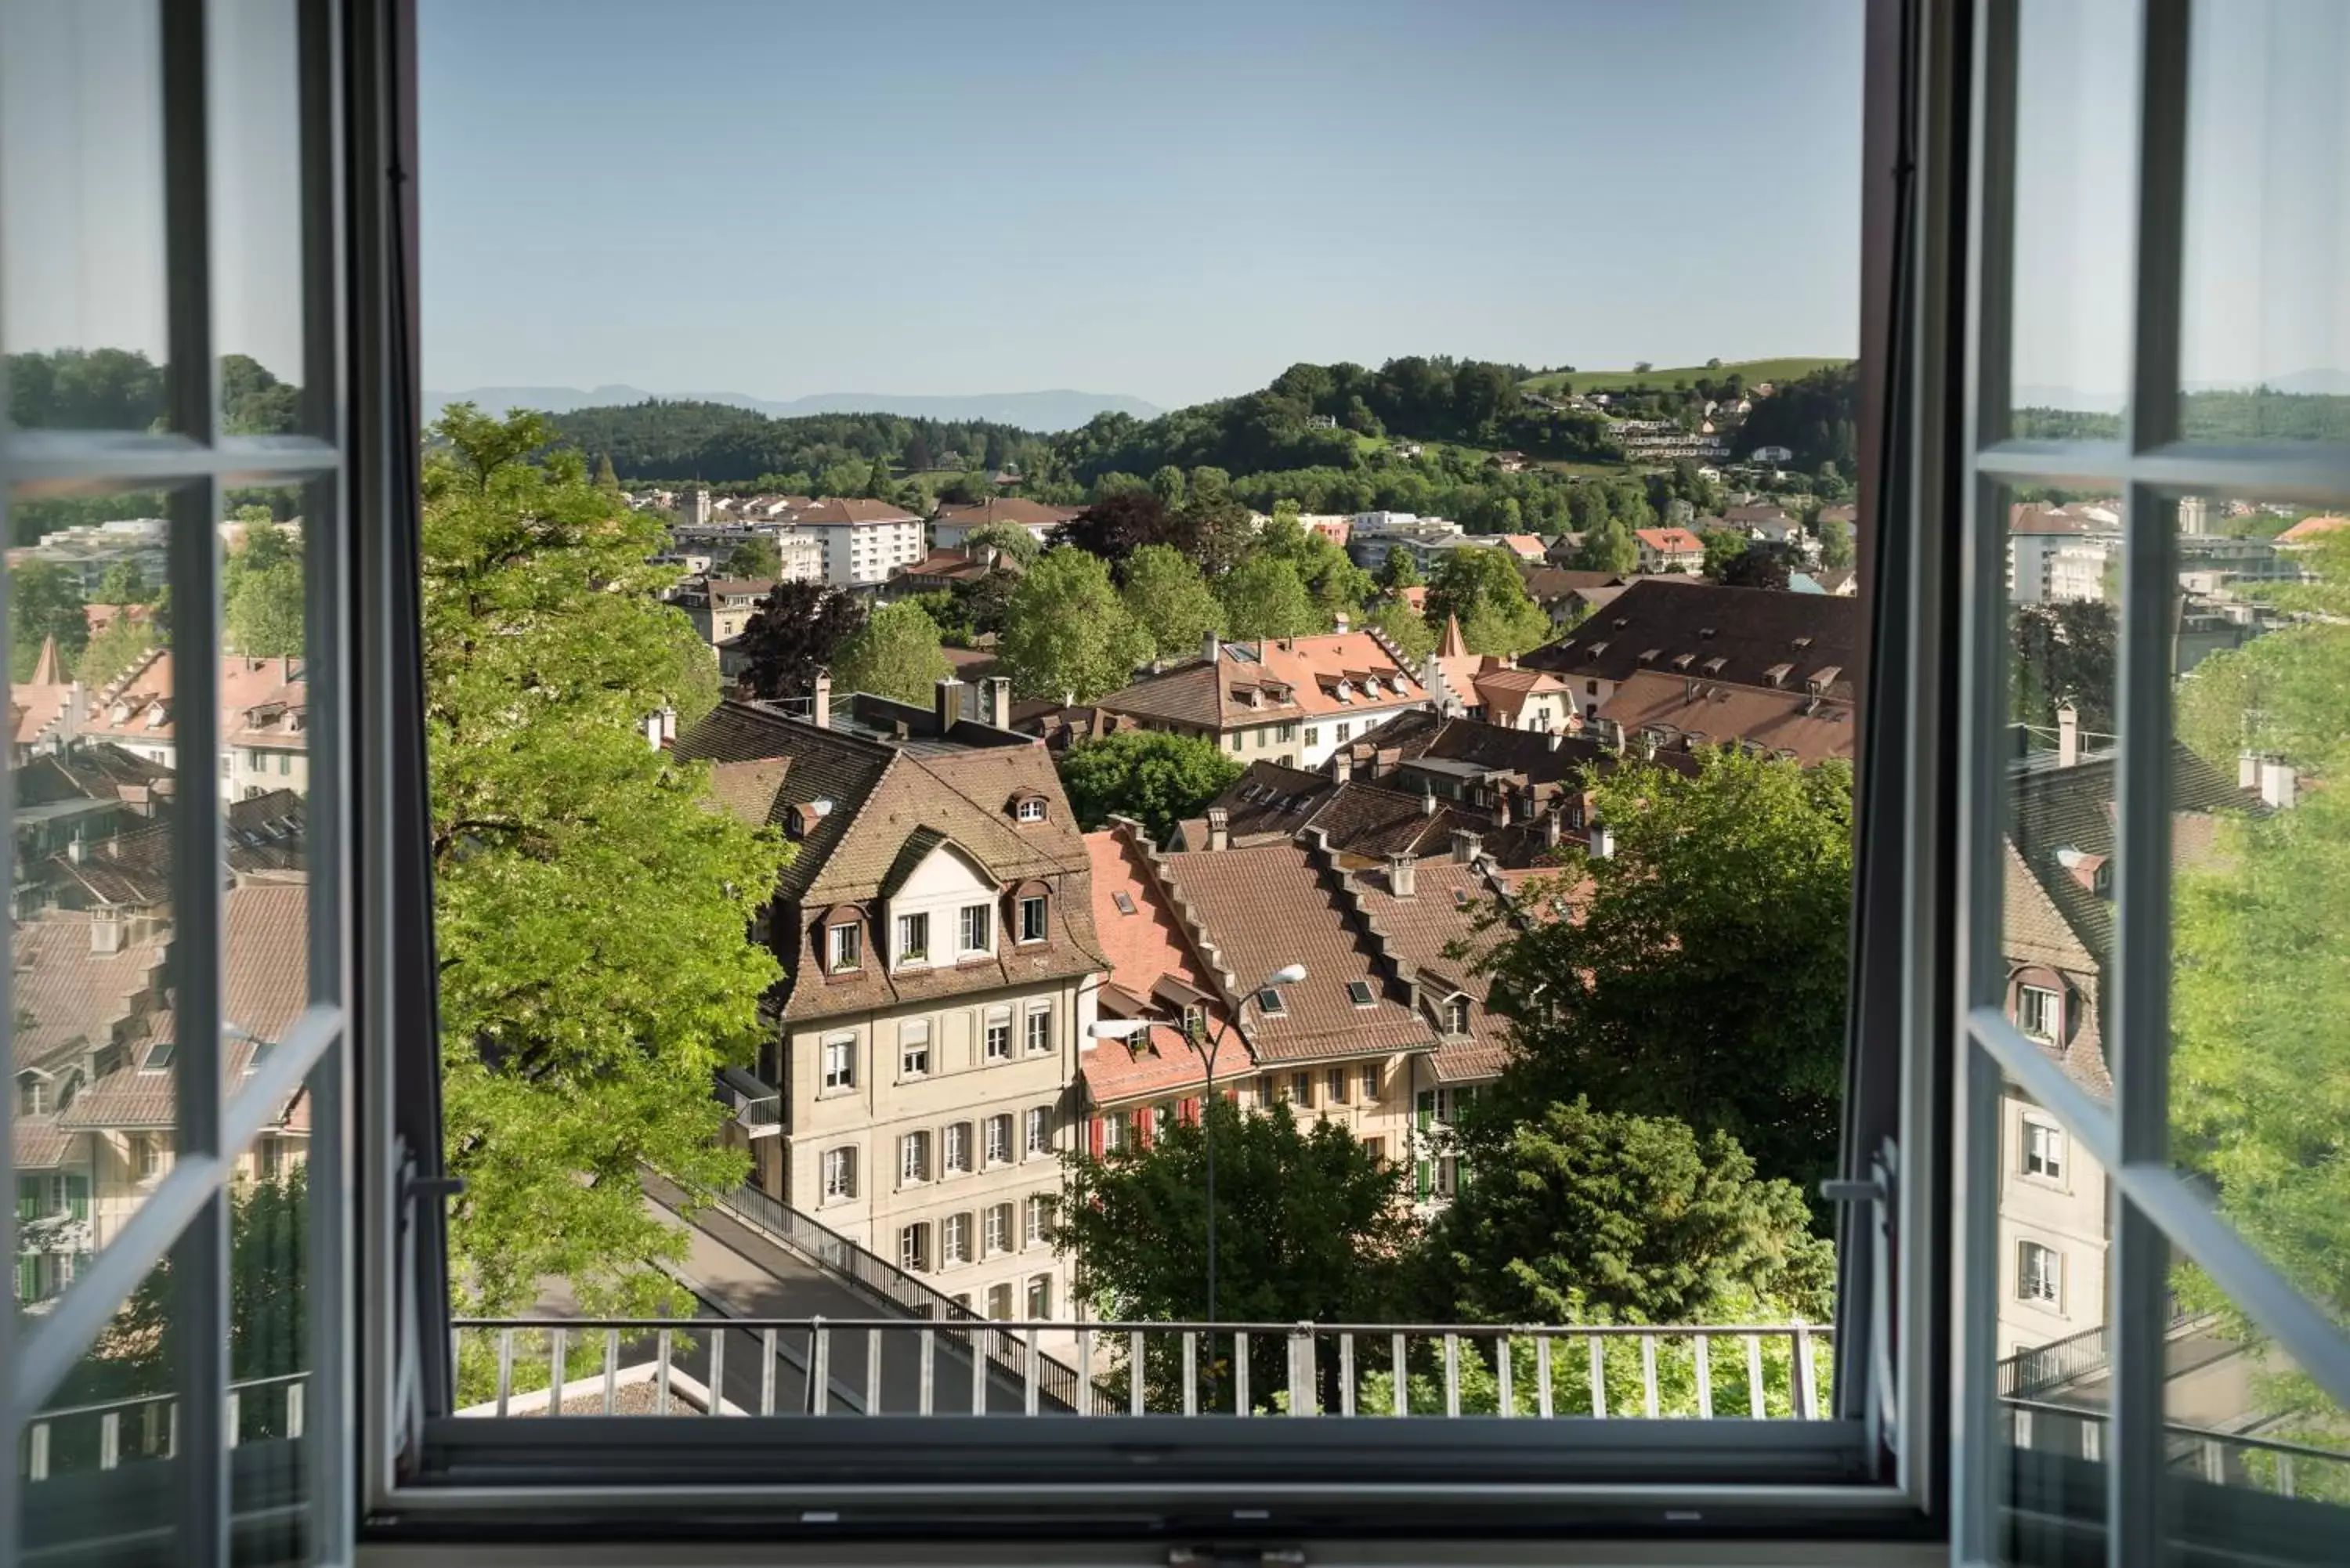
720,443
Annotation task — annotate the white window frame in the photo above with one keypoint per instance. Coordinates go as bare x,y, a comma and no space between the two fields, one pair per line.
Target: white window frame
844,947
996,1230
1040,1310
954,1240
1042,925
840,1173
913,929
839,1062
1036,1220
955,1150
995,1034
1031,809
1038,1029
2040,1012
914,1048
1036,1131
995,1140
914,1158
914,1255
2042,1156
2038,1274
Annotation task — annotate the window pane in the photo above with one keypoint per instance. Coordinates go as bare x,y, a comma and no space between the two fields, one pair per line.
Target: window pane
93,1095
2260,850
2054,1369
82,178
2064,552
256,188
269,1345
115,1412
2265,341
2076,173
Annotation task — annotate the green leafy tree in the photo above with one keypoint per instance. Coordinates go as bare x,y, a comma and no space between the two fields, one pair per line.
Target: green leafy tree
1310,1225
795,636
1400,570
607,479
1407,629
2063,653
262,614
1264,598
114,650
1575,1215
1171,600
123,583
1066,632
43,601
1168,485
1008,540
1723,546
1836,548
1608,546
755,559
1336,585
1485,590
1703,975
1761,566
897,653
592,909
1154,776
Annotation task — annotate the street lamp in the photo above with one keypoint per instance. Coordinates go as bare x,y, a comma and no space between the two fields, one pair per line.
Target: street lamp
1123,1028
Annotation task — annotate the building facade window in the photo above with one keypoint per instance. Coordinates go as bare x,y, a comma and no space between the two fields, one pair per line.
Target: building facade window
1336,1086
998,1140
1036,1220
840,1173
1312,734
1114,1131
1456,1015
975,929
841,1061
999,1228
913,938
1038,1138
1031,810
1040,1297
999,1303
914,1159
954,1240
2039,1012
2039,1273
1371,1085
1301,1089
954,1153
1032,917
2044,1149
997,1024
914,1248
1286,732
1343,731
1040,1030
914,1048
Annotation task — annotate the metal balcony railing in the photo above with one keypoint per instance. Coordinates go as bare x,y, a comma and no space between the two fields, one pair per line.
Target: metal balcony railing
874,1366
106,1435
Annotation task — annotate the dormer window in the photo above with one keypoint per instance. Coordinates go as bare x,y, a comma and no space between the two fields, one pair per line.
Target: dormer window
913,938
1456,1015
844,947
1028,808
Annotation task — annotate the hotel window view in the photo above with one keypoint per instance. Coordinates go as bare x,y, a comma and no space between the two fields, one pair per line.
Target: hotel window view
1371,945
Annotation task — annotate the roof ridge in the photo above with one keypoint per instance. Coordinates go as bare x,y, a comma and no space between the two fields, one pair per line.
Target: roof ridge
1195,929
1348,895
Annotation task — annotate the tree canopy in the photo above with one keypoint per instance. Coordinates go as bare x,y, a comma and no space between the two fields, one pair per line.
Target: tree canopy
43,601
1484,588
795,636
896,653
1066,632
1170,601
592,910
1703,977
1154,776
1264,597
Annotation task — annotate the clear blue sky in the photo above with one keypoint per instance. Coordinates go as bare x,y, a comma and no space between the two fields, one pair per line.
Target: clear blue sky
1173,201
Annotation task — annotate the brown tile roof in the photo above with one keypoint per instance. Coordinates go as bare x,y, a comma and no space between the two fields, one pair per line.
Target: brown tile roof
1004,509
69,999
1657,625
262,702
1144,945
1263,682
1677,706
834,511
1447,895
1253,910
1669,539
1548,584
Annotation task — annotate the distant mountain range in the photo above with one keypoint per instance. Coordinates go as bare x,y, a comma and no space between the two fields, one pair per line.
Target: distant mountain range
1059,410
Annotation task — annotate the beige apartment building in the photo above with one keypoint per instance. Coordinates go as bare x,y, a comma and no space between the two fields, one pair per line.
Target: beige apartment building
937,931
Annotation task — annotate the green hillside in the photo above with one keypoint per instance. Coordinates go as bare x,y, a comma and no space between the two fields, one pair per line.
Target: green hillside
1664,376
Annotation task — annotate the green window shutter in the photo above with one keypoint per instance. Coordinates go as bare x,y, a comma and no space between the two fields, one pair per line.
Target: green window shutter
1422,1177
28,1199
77,1197
1426,1109
28,1275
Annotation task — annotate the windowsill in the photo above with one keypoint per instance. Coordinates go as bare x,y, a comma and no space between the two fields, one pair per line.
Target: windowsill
844,1092
2046,1183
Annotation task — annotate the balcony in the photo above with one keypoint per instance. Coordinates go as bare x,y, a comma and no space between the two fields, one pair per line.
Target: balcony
758,1110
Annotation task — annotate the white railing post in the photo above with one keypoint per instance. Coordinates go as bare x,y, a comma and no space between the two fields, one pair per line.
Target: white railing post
717,1404
661,1372
1302,1400
296,1397
1704,1378
234,1407
929,1350
110,1439
1755,1404
1805,1409
1346,1373
819,1398
1191,1371
1509,1395
1240,1374
559,1362
611,1371
1085,1372
37,1458
1649,1376
766,1372
1541,1376
1028,1392
1134,1393
1452,1374
1402,1387
1598,1375
873,1372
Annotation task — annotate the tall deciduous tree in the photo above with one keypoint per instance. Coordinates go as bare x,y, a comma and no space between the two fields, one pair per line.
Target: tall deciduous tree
1484,589
1608,546
1007,539
1310,1225
43,601
795,636
1399,570
1154,776
1836,543
1264,597
897,653
755,559
1703,976
1575,1215
1407,629
592,909
1122,522
1066,631
1171,600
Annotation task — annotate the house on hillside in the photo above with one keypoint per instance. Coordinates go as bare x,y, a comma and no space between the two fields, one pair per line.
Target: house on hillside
1290,698
1669,550
1742,637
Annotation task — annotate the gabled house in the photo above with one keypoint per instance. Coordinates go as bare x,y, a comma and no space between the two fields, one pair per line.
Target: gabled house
1294,699
1706,631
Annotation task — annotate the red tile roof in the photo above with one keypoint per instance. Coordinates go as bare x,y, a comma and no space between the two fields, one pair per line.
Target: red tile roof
1263,682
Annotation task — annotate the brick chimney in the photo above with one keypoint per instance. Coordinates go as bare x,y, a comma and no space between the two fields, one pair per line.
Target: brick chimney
1466,846
1603,841
2280,784
1219,828
820,708
996,698
1210,644
1401,882
1342,766
2068,736
947,704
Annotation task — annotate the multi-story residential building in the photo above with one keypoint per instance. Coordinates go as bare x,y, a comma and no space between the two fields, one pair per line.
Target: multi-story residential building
1493,689
1740,637
265,713
936,931
1669,550
720,608
1660,710
862,542
1371,534
953,522
1294,699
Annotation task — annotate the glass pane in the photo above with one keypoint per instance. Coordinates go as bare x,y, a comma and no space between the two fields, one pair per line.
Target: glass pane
2266,339
2065,552
256,174
2258,1455
2055,1375
2260,1091
93,1098
269,1345
82,317
264,779
2076,172
90,1463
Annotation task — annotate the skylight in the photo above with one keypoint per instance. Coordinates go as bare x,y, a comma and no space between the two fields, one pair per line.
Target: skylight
1269,1003
1359,992
159,1057
1125,902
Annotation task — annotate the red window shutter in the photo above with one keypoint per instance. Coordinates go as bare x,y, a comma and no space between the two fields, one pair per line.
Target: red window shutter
1142,1126
1096,1137
1191,1110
